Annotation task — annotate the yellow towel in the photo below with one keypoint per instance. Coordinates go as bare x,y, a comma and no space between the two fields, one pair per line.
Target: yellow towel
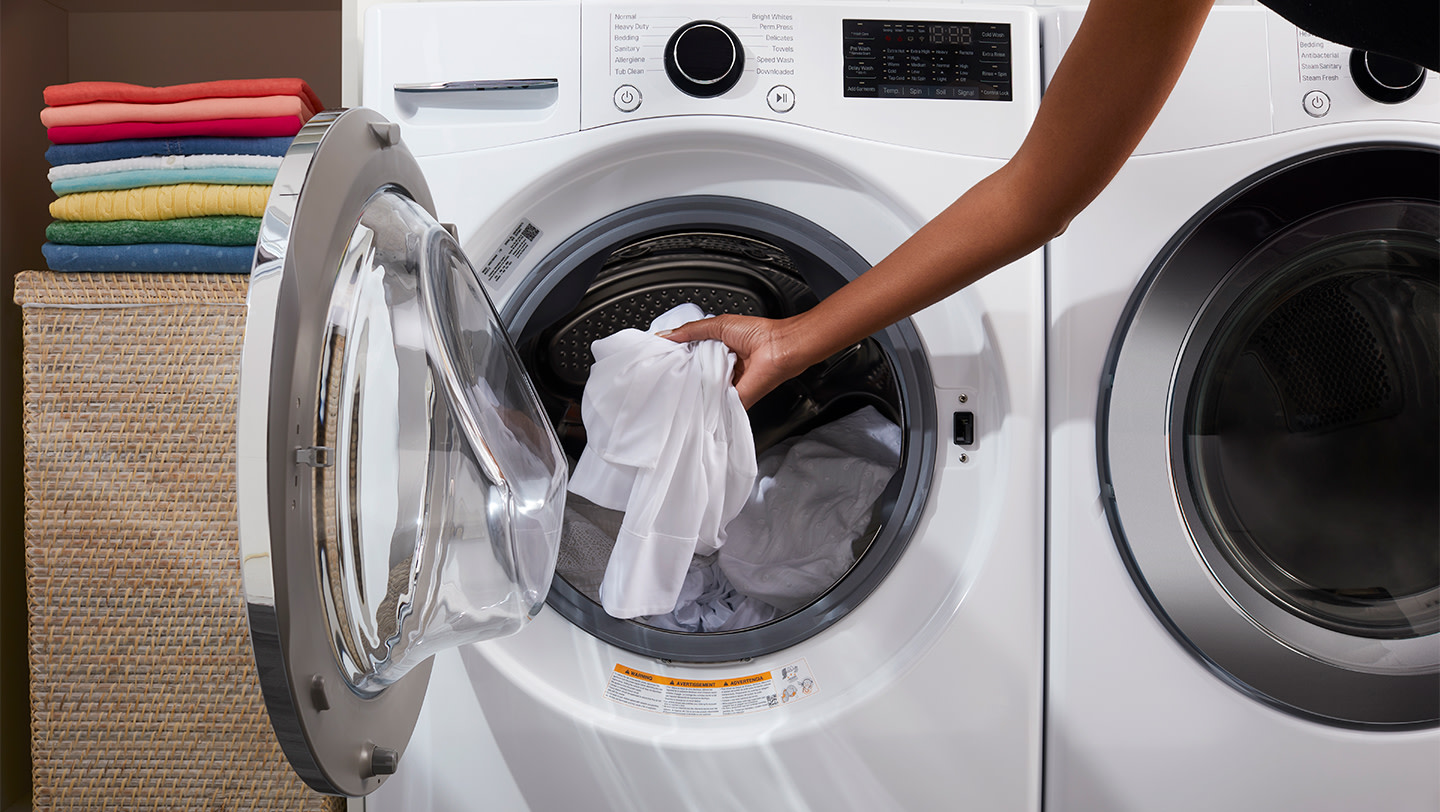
162,202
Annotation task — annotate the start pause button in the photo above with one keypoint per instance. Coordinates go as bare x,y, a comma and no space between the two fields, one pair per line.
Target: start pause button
781,99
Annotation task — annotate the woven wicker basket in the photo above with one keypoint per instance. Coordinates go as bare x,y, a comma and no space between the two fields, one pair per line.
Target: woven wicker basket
143,688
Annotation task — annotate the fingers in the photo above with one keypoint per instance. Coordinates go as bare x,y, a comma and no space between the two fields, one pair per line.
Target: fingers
699,330
755,374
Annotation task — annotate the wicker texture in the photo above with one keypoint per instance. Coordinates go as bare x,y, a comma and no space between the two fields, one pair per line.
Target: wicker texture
143,689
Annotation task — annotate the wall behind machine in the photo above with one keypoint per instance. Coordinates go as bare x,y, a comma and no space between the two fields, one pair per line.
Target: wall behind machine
148,42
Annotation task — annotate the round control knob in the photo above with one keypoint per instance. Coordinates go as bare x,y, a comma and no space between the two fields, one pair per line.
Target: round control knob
1385,78
704,58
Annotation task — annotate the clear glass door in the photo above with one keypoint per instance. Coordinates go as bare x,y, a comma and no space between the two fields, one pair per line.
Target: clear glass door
400,488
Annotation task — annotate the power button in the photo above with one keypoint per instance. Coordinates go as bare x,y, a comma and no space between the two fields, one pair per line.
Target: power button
627,98
1316,103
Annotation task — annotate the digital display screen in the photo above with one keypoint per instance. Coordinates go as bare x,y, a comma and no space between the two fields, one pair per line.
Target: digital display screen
914,59
950,34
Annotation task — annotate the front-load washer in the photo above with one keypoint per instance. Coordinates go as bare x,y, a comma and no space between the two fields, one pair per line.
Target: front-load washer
410,395
1244,594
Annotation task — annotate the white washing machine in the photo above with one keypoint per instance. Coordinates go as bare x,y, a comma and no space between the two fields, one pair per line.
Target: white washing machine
407,416
1244,593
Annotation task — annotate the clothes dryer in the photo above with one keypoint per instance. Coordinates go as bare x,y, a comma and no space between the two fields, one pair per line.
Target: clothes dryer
1244,593
410,395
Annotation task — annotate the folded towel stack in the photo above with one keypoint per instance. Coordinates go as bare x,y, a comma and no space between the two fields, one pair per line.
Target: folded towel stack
170,179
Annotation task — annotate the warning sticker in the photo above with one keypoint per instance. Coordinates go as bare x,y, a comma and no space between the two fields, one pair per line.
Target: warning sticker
515,246
731,696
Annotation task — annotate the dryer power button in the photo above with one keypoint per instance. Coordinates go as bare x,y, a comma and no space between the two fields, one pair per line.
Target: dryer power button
1317,104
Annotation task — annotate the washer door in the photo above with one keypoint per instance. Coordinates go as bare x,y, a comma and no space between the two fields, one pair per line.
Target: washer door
400,489
1270,441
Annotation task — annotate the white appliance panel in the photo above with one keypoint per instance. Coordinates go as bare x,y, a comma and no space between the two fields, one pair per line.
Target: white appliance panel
1134,720
928,690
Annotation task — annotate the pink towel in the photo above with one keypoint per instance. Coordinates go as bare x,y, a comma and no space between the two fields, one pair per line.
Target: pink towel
84,92
194,110
243,127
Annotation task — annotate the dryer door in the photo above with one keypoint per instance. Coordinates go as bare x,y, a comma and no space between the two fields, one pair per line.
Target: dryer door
1271,439
400,490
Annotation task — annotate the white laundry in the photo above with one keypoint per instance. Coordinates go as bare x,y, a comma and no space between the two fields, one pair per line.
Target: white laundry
668,442
708,602
812,499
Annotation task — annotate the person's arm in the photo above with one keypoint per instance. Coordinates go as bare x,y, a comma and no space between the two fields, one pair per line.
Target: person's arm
1109,87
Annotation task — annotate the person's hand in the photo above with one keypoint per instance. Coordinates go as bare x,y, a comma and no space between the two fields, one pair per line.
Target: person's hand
764,356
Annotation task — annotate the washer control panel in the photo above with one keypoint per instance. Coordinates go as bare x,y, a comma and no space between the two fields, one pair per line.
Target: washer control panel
700,57
960,80
888,71
927,59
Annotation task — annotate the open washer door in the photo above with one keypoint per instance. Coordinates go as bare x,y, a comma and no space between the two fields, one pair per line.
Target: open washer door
400,490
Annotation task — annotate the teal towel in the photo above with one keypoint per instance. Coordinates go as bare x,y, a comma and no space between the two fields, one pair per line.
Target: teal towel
150,258
216,230
164,177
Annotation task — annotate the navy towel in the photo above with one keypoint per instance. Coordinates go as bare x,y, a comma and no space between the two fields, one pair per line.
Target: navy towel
61,154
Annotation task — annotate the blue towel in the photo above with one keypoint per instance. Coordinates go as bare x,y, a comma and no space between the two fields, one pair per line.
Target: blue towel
165,257
60,154
136,178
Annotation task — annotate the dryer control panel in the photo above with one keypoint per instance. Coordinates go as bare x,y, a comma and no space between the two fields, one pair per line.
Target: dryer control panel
1252,73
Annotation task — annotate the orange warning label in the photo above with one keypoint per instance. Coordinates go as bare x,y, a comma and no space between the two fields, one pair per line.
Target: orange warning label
656,679
728,696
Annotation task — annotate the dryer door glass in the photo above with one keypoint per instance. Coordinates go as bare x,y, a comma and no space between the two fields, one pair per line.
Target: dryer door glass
1271,438
400,490
1313,439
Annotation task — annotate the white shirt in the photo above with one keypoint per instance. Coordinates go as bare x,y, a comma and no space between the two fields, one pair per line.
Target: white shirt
668,442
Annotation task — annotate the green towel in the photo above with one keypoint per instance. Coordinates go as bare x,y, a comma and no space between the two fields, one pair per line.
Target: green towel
216,230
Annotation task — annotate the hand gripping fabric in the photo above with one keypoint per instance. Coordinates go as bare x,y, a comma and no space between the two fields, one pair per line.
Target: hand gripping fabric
668,442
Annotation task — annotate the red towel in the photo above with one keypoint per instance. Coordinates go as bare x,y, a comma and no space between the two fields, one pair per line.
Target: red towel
244,127
78,115
83,92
